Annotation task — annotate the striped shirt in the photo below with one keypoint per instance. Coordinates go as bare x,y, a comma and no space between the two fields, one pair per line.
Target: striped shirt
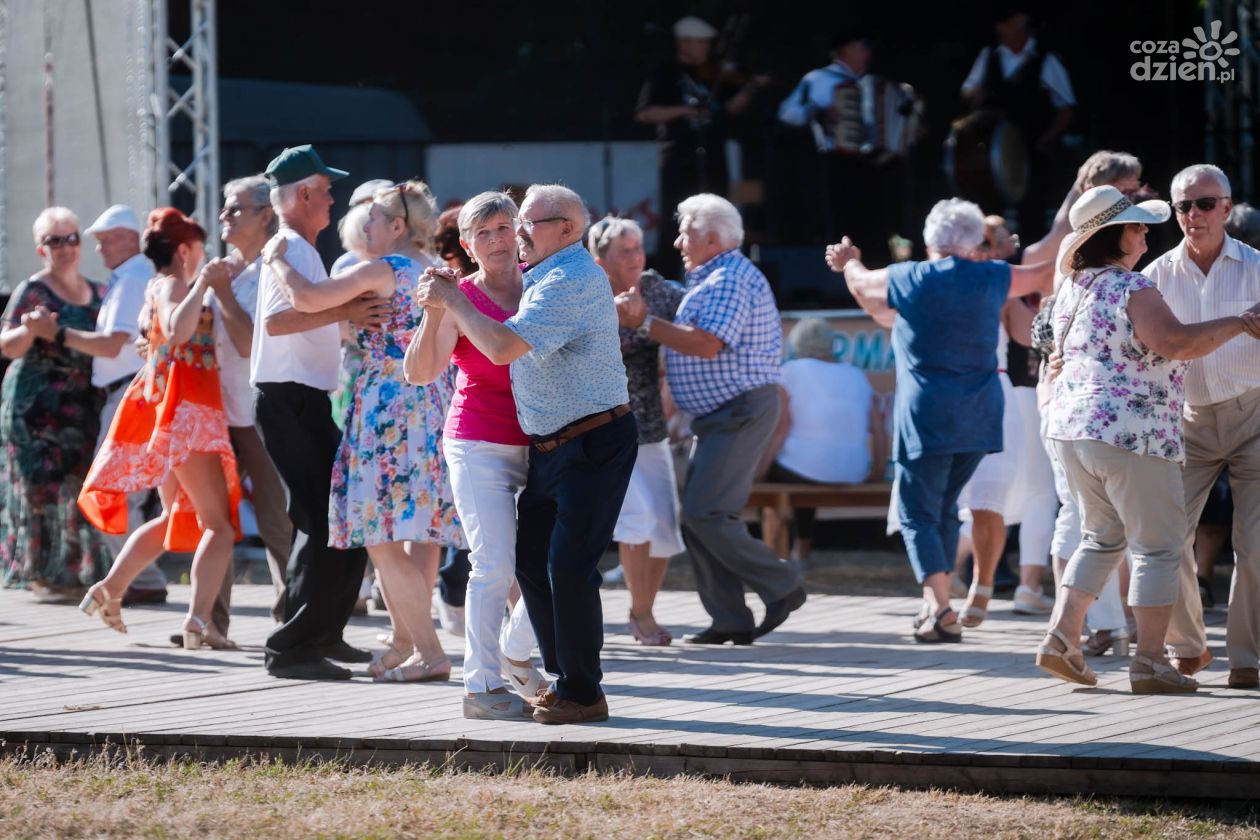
1232,285
730,298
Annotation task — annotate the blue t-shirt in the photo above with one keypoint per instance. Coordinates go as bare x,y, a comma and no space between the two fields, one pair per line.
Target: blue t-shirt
948,399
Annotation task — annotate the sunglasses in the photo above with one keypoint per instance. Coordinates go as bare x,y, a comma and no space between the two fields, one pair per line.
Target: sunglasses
235,211
401,187
1206,204
51,241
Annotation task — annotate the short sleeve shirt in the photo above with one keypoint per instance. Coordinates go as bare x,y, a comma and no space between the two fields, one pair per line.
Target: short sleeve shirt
573,367
309,358
120,312
730,298
948,399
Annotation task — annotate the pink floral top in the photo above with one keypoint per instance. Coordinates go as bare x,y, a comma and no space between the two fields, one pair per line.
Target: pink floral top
1112,388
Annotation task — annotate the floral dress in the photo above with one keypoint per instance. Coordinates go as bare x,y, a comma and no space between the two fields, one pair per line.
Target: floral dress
172,409
1112,388
49,420
390,481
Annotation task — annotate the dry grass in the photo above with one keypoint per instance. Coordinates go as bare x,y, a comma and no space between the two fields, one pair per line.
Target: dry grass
99,797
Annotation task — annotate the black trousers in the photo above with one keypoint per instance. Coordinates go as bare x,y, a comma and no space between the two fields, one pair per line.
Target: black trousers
565,519
321,583
453,576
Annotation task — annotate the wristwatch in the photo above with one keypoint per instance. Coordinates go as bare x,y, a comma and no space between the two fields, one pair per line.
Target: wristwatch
645,327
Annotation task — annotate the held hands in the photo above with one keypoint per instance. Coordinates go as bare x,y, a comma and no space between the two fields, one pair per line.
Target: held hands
839,254
437,288
631,308
41,323
217,275
274,249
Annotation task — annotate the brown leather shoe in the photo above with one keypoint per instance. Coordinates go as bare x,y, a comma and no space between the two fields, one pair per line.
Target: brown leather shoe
1244,678
560,710
1191,665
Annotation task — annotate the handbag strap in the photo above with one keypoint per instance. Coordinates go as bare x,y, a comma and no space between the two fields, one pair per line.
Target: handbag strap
1077,307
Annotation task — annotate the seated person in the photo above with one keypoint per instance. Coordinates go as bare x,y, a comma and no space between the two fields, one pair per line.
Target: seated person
830,430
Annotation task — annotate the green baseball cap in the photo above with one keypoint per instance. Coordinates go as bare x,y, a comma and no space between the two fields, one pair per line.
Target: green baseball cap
292,165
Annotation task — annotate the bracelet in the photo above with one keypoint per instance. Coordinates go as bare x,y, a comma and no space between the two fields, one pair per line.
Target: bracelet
645,327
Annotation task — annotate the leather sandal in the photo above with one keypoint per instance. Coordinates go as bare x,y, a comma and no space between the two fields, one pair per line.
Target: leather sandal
502,705
1058,656
942,629
971,615
201,634
660,638
98,600
1152,676
1101,641
381,662
416,669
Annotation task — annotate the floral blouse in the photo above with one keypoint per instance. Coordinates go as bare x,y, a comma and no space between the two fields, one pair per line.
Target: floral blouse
1112,388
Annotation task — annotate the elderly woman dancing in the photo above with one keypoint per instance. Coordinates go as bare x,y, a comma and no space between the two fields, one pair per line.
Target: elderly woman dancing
947,412
1116,427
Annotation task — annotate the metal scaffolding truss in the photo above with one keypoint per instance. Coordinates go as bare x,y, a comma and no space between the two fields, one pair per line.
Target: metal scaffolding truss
196,174
1233,106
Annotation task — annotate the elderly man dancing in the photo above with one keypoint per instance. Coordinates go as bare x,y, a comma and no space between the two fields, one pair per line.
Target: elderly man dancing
722,356
571,398
1211,275
948,407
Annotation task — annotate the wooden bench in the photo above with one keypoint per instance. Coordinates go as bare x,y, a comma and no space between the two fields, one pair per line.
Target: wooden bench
775,501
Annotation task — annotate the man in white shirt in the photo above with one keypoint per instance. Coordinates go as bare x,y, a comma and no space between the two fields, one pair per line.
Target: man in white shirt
115,359
1207,276
293,366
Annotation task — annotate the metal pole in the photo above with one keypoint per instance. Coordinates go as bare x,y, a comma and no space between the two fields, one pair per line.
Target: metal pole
49,145
159,99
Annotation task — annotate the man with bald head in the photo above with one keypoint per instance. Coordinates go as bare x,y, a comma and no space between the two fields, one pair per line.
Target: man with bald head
1208,275
571,398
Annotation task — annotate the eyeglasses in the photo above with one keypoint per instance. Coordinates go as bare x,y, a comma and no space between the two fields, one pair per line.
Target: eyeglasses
528,225
51,241
1206,204
235,211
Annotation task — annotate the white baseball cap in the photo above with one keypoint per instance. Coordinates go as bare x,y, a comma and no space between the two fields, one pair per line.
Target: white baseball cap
118,217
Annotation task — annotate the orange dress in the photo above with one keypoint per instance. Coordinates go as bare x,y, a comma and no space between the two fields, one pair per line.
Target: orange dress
173,408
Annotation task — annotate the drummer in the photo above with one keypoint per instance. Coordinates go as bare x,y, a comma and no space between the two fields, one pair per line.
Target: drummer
1030,87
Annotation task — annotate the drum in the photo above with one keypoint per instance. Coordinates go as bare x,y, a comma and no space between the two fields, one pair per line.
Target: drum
986,160
875,116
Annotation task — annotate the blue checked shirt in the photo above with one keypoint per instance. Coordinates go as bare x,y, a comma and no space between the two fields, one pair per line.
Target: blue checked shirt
574,366
730,298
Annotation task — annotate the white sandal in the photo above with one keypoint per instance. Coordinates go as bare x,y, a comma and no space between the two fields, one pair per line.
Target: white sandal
971,615
525,680
1067,664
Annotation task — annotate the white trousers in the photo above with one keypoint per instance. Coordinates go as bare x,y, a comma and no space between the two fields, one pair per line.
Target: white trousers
486,478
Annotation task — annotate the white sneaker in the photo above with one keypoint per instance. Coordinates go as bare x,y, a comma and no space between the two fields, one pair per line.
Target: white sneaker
452,618
1029,601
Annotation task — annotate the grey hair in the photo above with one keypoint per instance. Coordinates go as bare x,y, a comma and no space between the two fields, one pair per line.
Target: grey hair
953,225
562,200
283,197
258,190
709,213
350,228
1107,167
607,231
50,216
483,207
1244,224
813,338
1191,174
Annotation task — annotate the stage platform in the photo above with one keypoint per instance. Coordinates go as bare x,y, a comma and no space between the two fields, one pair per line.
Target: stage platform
839,694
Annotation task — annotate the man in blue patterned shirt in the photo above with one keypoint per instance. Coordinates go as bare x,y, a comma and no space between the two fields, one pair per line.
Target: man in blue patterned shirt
571,398
722,357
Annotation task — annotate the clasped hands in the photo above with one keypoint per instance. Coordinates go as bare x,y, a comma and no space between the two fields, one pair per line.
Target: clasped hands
631,308
438,287
41,322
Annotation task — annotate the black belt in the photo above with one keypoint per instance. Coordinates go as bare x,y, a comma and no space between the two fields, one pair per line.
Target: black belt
117,385
553,441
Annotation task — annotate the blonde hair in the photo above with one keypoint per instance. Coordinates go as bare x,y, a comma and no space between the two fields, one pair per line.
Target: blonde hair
48,218
419,212
483,207
350,229
1106,167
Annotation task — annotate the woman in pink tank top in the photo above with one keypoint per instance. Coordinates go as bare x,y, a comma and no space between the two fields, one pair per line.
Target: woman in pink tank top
488,458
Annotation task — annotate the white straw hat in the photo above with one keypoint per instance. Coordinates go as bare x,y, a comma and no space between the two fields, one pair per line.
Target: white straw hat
1102,206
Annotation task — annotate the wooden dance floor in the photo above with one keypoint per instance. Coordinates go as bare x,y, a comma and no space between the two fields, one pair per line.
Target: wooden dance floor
839,694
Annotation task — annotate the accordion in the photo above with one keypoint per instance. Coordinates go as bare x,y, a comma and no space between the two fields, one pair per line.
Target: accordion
876,117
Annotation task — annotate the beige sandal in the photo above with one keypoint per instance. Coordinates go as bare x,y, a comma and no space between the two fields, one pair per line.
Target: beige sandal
503,705
416,669
1067,664
1151,676
379,665
109,607
971,615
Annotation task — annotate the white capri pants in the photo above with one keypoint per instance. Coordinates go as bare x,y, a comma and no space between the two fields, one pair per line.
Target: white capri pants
650,512
486,478
1038,505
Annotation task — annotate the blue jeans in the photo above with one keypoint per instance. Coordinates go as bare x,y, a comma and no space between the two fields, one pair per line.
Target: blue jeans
565,519
927,505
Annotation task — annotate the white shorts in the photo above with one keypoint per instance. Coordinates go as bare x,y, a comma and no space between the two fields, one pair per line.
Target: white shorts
650,511
996,484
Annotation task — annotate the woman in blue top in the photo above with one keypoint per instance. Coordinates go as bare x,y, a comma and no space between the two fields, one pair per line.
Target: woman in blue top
947,411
